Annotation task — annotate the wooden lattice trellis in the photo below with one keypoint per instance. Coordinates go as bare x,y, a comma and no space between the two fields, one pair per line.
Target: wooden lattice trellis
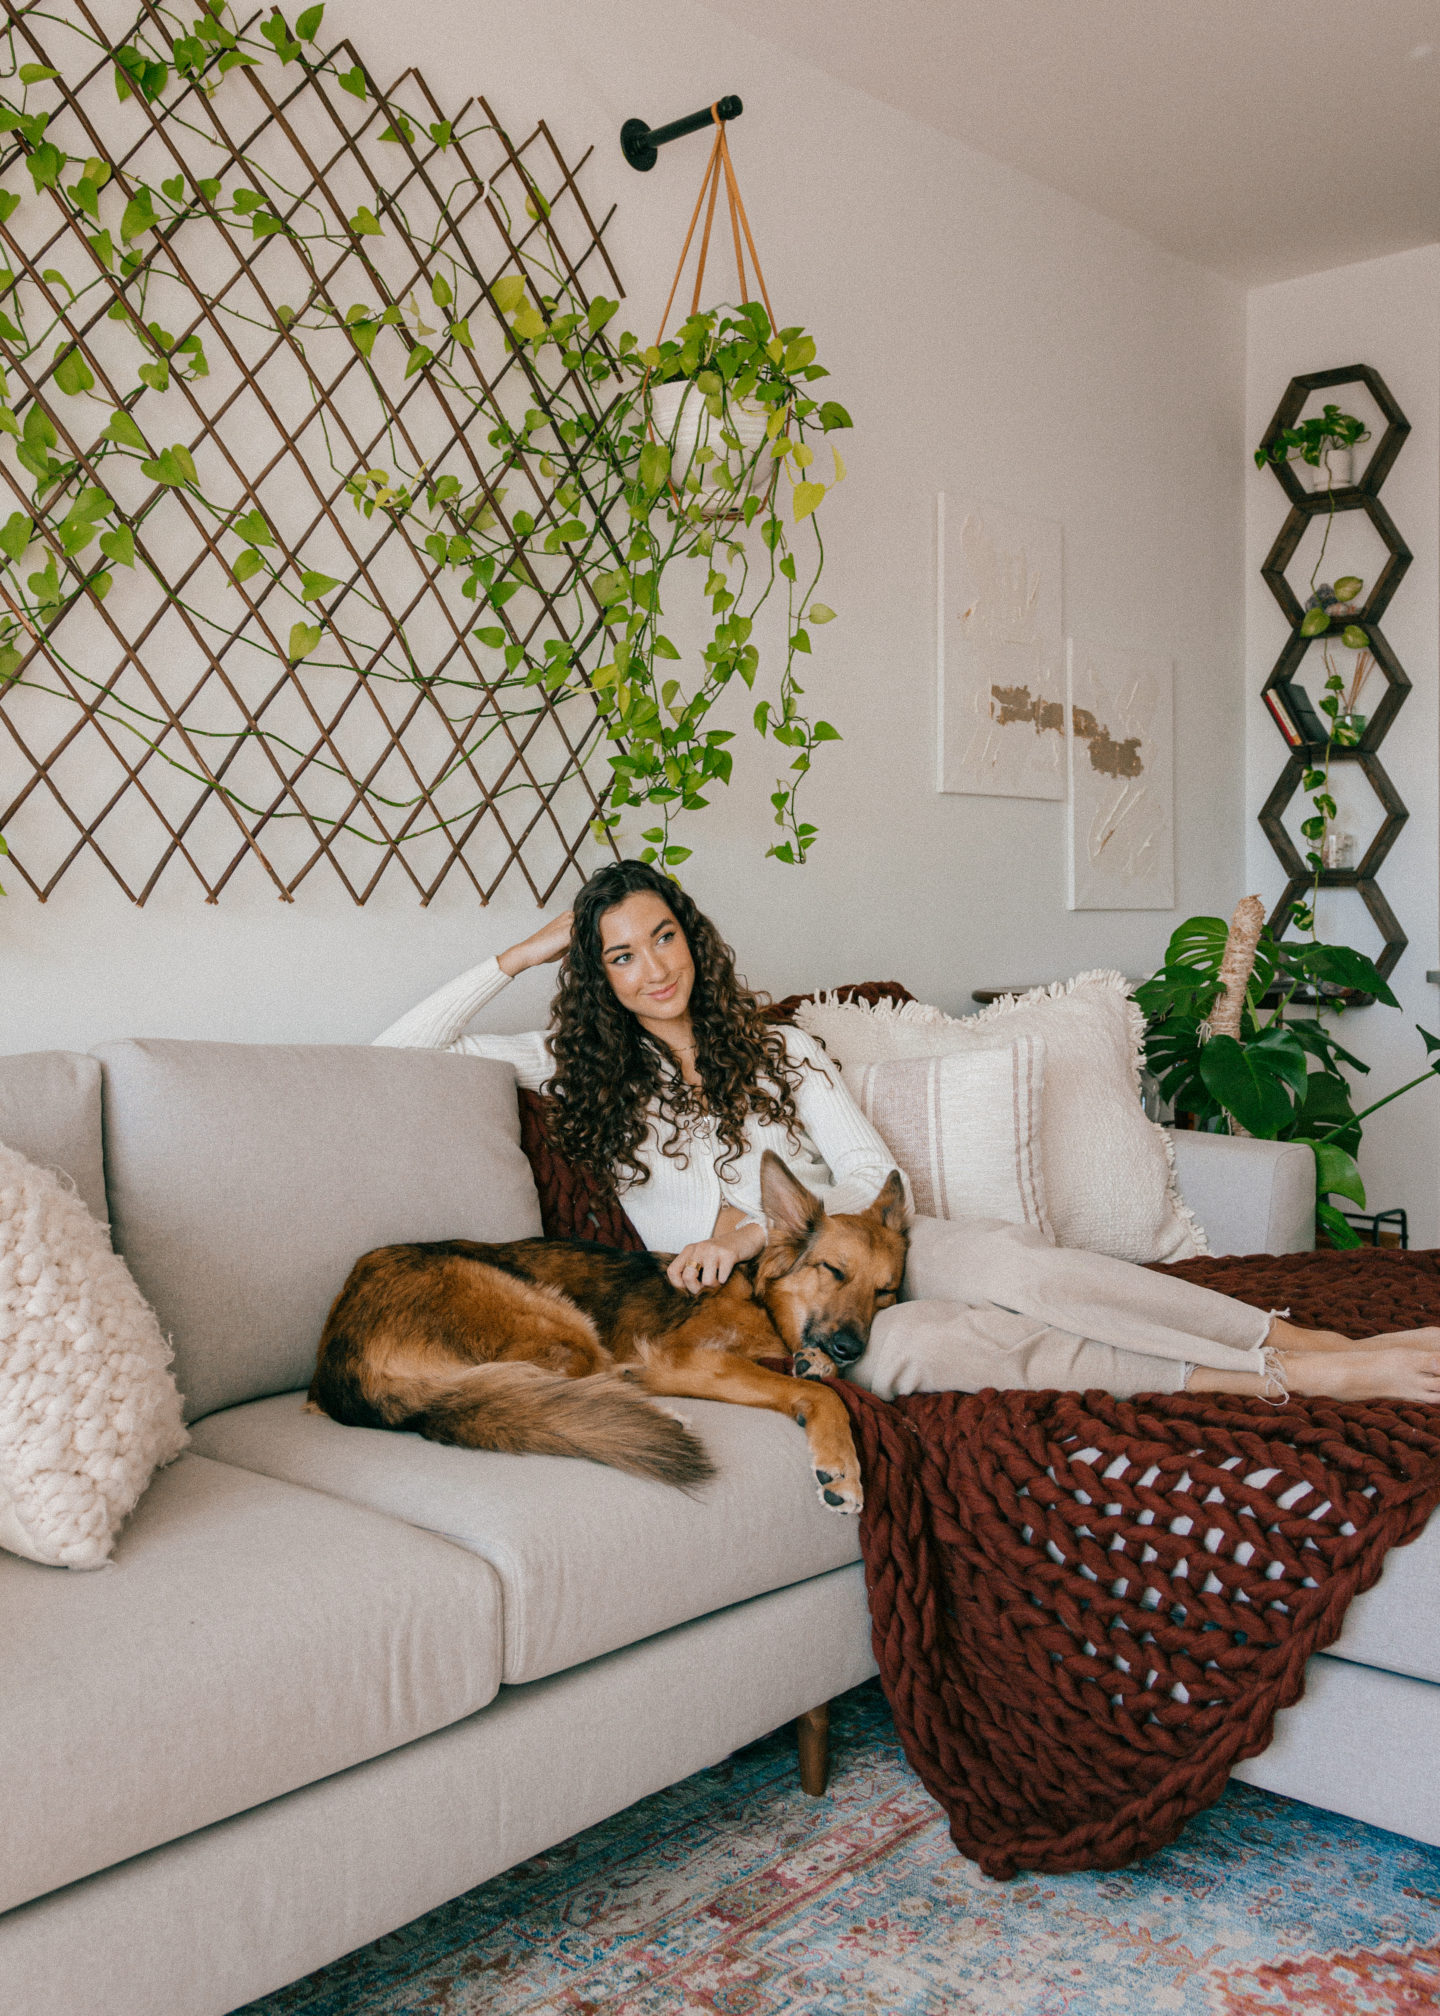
158,715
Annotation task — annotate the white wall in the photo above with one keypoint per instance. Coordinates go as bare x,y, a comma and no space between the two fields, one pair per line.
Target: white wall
990,337
1385,313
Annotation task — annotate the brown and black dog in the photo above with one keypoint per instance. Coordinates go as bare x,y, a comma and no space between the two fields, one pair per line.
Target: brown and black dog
549,1346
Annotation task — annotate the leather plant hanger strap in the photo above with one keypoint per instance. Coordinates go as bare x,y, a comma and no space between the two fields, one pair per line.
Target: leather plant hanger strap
717,167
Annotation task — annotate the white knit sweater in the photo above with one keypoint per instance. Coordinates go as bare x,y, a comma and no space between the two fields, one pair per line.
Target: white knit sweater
839,1155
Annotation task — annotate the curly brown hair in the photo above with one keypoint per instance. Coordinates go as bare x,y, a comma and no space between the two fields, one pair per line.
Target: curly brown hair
608,1071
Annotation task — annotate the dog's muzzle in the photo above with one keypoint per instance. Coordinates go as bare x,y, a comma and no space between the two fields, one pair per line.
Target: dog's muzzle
843,1346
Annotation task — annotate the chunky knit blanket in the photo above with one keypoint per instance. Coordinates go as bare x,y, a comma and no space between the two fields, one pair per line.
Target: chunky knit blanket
1087,1610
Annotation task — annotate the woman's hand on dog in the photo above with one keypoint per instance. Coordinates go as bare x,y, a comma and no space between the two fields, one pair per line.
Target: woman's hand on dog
708,1263
542,947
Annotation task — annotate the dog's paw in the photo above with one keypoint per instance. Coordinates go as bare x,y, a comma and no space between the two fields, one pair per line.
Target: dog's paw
840,1490
810,1363
674,1414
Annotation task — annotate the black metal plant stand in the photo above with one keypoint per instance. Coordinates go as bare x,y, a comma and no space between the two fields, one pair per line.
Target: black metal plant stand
1304,506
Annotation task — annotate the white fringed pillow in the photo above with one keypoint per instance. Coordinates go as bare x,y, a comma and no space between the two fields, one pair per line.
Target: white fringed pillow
87,1404
965,1129
1109,1173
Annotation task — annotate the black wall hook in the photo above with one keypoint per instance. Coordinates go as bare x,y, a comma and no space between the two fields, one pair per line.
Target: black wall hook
639,142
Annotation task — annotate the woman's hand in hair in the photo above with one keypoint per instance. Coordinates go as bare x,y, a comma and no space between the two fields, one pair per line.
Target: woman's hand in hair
550,942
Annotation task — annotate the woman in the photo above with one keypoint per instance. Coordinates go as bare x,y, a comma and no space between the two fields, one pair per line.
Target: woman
667,1082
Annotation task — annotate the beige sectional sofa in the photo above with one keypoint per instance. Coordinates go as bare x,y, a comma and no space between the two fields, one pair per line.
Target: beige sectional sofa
335,1677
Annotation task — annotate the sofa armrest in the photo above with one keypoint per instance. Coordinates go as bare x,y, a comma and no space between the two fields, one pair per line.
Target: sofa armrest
1251,1196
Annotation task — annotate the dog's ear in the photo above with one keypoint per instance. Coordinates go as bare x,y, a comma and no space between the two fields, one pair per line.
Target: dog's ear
890,1206
793,1213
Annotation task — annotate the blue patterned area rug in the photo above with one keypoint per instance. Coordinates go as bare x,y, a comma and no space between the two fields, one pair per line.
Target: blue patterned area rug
732,1894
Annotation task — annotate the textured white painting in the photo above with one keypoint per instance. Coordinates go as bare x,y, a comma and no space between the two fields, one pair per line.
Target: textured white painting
1001,651
1122,781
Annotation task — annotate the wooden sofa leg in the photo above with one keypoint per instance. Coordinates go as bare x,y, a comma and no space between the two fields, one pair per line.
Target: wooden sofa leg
812,1732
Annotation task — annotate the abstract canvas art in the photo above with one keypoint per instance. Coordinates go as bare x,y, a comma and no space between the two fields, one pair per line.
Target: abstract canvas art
1001,652
1122,787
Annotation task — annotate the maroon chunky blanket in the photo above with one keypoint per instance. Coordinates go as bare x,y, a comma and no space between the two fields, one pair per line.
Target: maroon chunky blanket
1087,1610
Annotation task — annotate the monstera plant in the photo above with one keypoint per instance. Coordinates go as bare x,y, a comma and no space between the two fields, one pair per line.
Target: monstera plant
1230,1045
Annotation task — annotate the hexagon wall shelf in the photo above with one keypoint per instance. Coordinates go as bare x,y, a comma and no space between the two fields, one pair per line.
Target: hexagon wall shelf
1284,675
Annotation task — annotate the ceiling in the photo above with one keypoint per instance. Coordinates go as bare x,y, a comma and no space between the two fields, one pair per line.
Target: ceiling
1262,138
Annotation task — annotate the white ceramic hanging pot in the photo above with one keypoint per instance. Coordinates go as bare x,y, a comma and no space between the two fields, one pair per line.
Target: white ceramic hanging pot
682,419
1335,470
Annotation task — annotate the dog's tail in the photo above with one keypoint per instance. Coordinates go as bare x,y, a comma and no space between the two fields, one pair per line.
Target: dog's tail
526,1410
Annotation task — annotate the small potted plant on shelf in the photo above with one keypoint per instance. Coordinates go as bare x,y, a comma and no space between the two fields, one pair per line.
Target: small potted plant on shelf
1326,443
1330,614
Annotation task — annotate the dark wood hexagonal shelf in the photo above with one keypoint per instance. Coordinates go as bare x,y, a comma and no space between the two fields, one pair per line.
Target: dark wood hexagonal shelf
1316,504
1292,405
1393,809
1371,895
1283,682
1286,671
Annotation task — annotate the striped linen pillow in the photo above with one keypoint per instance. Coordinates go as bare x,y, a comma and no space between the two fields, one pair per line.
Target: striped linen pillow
964,1128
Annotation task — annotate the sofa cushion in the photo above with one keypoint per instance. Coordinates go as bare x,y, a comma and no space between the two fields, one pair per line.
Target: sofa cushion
588,1559
247,1179
50,1112
1109,1172
87,1404
250,1637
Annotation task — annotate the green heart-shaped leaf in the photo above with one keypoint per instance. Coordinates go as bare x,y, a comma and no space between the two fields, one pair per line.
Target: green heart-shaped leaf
122,429
303,639
119,546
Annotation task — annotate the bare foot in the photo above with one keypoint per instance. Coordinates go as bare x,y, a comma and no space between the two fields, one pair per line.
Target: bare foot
1402,1340
1358,1373
1288,1337
1366,1373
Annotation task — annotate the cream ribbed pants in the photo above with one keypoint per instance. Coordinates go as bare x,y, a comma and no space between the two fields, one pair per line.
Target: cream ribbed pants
991,1304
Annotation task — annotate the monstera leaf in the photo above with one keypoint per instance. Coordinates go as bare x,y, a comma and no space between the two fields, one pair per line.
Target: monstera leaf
1259,1081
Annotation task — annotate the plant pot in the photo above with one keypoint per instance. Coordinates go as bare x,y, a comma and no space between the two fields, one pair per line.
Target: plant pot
681,418
1335,470
1337,850
1349,728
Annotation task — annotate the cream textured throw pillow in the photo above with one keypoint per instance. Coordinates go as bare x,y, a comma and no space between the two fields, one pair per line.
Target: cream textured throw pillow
965,1129
87,1404
1109,1172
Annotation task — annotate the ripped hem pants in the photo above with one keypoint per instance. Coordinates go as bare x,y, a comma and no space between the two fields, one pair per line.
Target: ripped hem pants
992,1304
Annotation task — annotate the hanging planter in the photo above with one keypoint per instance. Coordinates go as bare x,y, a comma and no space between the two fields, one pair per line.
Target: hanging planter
718,471
705,451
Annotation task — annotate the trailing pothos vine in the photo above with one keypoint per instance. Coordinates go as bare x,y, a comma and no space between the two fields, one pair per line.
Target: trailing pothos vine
694,504
568,546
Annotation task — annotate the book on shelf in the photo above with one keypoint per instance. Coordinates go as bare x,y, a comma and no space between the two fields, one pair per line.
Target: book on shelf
1281,716
1295,716
1302,713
